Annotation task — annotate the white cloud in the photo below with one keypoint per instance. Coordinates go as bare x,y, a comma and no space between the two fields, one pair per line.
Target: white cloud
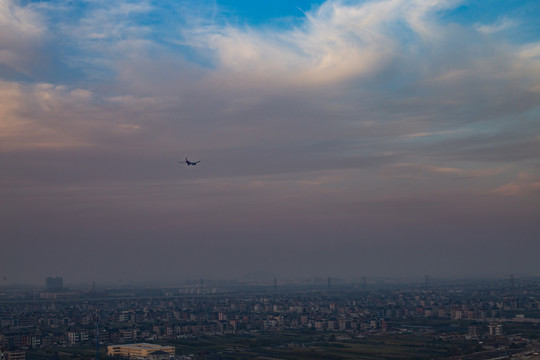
398,84
500,25
337,41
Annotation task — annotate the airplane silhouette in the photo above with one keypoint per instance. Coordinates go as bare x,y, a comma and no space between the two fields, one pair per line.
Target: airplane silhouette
188,163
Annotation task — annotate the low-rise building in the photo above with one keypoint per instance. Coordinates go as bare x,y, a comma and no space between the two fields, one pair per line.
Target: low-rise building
13,355
138,351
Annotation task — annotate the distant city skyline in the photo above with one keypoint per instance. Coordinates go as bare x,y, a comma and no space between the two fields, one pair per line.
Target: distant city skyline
473,318
336,139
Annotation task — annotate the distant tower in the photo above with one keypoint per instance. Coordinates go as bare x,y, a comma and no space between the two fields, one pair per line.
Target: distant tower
97,334
54,284
512,281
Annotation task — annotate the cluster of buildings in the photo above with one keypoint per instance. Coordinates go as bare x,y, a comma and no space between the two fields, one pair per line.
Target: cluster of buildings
154,315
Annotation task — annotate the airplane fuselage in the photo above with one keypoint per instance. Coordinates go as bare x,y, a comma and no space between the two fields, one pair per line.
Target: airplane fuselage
188,163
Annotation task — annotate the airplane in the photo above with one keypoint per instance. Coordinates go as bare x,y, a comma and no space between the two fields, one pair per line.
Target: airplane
188,163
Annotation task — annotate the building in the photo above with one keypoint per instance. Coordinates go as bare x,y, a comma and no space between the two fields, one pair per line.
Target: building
13,355
138,351
73,337
54,284
495,329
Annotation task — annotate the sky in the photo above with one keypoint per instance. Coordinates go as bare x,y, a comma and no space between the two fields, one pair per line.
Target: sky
384,138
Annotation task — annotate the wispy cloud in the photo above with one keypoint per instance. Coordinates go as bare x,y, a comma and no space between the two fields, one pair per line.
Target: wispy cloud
335,42
22,30
501,25
418,171
523,184
436,133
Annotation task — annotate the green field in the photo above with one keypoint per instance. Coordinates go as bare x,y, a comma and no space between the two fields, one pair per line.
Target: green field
305,344
315,345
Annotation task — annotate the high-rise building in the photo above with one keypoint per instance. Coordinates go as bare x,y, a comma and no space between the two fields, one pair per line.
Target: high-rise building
54,284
